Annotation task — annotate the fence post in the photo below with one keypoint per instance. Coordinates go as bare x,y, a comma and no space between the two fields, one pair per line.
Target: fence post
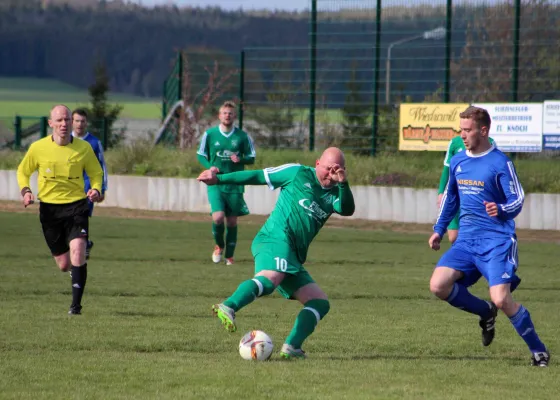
164,101
515,70
17,131
105,131
180,76
375,117
241,87
448,28
312,72
44,127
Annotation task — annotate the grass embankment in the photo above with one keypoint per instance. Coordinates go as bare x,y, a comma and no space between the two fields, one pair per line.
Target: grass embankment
406,169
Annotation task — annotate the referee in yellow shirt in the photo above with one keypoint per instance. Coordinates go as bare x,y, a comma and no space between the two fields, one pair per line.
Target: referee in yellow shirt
64,212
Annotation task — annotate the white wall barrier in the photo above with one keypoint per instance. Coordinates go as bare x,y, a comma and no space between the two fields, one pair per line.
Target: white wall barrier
541,211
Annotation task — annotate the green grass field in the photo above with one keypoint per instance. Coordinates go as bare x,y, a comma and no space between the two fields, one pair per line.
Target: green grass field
35,97
147,330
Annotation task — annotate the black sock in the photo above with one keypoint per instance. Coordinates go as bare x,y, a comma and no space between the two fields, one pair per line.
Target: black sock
79,277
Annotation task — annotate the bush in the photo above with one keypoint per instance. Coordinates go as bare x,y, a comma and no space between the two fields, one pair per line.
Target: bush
408,169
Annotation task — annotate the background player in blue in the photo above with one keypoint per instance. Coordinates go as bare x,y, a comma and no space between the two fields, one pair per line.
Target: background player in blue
79,130
483,181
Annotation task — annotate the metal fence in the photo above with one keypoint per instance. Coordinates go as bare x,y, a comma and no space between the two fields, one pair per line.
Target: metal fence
202,79
20,131
364,57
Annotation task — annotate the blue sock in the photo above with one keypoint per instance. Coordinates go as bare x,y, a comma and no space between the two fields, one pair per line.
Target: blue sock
463,300
522,323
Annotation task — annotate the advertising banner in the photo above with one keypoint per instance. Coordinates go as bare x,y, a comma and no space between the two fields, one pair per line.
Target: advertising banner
551,125
428,126
516,127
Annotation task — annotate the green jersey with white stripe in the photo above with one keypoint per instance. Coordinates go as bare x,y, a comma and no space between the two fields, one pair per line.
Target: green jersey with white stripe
301,210
218,147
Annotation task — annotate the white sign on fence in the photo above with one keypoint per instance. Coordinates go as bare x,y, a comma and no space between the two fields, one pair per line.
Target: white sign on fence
516,127
551,125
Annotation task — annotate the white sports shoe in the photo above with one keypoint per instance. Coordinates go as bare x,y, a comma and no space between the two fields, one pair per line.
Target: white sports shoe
217,254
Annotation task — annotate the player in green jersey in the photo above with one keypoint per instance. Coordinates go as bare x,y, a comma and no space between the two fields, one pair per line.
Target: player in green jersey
456,145
307,199
225,148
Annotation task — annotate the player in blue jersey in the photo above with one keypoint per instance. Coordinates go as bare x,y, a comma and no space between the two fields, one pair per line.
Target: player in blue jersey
79,126
483,181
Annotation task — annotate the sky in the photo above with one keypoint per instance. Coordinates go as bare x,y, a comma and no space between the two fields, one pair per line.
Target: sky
288,5
298,5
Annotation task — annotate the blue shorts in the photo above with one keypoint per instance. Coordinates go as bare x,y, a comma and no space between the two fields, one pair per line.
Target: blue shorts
90,204
495,259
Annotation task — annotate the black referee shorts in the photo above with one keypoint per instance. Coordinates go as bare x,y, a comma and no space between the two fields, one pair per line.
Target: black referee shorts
64,222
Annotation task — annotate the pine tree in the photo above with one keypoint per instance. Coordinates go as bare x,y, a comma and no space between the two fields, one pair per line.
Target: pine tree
356,112
101,112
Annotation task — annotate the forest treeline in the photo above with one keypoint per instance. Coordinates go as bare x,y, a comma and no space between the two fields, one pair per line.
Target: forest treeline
64,40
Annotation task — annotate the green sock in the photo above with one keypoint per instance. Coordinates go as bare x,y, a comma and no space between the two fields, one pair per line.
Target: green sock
248,291
218,232
306,321
231,240
245,294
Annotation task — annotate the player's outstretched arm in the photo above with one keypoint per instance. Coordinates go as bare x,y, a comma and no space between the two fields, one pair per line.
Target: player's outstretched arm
344,205
95,174
202,153
101,158
442,183
204,161
233,178
511,187
444,178
449,205
25,169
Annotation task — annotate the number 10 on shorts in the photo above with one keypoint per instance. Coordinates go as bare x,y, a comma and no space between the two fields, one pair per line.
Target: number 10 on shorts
281,264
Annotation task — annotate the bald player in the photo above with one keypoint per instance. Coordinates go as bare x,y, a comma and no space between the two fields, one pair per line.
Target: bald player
61,160
308,198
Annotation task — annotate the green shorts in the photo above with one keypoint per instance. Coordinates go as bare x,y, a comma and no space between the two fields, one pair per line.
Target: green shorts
454,224
232,204
278,256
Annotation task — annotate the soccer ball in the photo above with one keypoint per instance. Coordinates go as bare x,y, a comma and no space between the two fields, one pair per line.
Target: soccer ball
255,345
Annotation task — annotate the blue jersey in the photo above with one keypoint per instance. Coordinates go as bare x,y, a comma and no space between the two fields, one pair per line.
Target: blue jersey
474,179
98,150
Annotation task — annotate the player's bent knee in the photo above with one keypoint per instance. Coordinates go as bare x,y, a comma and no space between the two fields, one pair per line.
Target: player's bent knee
502,301
218,218
319,307
273,276
63,262
78,251
440,289
265,285
501,297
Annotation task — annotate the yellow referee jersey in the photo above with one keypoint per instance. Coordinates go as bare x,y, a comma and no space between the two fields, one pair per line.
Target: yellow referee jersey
60,170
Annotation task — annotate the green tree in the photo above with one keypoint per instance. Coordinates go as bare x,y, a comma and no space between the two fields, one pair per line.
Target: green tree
103,114
483,73
275,118
355,113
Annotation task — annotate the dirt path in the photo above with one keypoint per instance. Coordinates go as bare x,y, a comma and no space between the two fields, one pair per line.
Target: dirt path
524,234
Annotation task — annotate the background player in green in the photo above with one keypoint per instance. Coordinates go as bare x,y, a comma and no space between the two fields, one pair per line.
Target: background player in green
225,148
308,198
456,145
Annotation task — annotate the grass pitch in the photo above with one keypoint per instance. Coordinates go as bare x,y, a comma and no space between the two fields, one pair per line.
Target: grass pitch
31,97
147,330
